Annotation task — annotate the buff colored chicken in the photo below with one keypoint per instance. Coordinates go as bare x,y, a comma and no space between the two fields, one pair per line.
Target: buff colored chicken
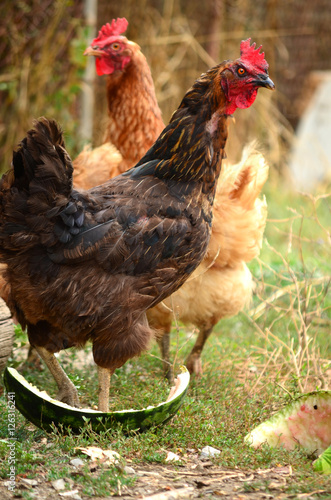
222,285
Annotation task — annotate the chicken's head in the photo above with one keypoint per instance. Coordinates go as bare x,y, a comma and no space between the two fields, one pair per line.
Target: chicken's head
241,79
112,50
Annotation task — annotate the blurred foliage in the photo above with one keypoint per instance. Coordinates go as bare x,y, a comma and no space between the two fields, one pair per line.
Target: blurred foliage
42,65
40,68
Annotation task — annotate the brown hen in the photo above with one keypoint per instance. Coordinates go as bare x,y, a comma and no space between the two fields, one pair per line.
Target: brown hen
134,117
224,284
88,265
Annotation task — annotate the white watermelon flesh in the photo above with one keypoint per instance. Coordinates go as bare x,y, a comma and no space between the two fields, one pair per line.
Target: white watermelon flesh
306,422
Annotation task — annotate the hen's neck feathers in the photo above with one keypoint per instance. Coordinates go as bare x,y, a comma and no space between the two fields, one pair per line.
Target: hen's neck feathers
134,114
191,147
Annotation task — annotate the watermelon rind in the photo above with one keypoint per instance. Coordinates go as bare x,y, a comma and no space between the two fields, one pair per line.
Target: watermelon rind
46,413
323,463
304,423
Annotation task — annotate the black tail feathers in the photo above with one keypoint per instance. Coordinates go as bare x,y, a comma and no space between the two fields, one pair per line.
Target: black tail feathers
42,154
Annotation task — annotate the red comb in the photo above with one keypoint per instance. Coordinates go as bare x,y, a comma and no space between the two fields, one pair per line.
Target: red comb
252,56
116,28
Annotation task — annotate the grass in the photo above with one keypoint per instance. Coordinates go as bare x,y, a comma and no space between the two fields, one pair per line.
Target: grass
259,360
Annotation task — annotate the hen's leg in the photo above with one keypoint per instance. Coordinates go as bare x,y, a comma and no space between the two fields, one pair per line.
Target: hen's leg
164,344
193,362
104,375
33,360
67,391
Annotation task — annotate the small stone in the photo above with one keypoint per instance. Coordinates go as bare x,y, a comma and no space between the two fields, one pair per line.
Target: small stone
71,494
208,452
29,482
129,470
59,484
77,462
172,457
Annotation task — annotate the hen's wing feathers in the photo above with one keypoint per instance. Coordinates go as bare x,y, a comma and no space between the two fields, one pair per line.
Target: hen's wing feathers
81,247
129,242
131,225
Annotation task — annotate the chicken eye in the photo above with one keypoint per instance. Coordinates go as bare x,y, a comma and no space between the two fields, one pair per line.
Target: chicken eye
241,71
115,46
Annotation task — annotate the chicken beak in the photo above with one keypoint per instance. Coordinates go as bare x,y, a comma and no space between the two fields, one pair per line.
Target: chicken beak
264,81
90,51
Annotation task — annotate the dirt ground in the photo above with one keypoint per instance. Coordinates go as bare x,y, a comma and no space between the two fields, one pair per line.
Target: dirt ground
197,479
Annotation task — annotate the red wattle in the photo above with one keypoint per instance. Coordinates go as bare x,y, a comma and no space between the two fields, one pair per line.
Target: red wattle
102,67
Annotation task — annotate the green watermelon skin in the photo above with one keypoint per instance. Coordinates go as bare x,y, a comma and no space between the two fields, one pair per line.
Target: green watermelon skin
323,463
306,422
45,412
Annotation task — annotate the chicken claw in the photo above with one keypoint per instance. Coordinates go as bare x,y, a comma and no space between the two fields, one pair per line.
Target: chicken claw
67,391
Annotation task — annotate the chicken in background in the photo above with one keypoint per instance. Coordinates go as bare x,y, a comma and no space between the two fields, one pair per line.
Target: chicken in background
134,117
88,265
223,284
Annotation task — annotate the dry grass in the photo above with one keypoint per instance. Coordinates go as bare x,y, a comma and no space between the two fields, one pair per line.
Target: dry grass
40,71
294,314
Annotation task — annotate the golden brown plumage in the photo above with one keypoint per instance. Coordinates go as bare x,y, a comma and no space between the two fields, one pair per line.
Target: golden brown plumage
87,265
134,117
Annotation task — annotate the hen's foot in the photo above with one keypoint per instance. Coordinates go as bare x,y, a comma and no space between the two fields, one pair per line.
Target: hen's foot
193,361
67,391
194,365
68,395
